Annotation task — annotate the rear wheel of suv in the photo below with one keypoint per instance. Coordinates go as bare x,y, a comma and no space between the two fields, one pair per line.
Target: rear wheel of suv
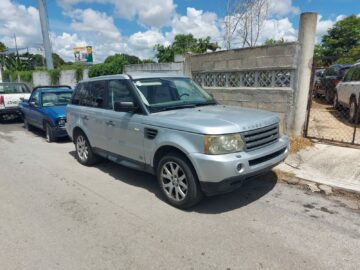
353,110
178,181
84,152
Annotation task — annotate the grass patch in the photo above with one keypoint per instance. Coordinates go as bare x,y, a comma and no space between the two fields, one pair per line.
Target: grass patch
299,143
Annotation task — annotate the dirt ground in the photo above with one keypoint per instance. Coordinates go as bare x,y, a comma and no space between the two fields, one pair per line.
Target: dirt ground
328,123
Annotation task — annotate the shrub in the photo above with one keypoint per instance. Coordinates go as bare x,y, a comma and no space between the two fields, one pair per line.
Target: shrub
54,76
25,76
79,72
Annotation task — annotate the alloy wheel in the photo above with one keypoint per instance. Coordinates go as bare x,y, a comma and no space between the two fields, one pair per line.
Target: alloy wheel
173,181
82,148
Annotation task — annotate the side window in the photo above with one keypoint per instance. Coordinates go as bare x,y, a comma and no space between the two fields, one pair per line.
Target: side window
75,99
356,74
119,91
35,97
97,94
348,74
85,95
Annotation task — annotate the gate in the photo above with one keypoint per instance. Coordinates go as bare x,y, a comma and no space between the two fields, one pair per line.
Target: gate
333,113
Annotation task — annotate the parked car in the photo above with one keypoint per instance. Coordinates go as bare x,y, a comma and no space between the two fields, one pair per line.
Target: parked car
330,78
317,78
347,93
169,126
45,109
11,95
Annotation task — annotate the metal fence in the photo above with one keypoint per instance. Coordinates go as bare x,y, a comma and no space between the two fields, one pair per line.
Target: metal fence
258,79
333,108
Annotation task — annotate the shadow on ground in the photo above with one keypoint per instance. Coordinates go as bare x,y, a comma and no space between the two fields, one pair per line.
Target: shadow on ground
252,190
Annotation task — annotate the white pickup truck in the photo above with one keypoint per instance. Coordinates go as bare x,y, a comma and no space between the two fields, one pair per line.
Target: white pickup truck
11,94
348,93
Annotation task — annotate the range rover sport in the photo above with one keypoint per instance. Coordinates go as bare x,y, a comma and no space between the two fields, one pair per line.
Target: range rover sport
169,126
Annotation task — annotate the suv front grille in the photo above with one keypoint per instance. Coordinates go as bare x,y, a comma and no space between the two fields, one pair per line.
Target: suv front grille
257,138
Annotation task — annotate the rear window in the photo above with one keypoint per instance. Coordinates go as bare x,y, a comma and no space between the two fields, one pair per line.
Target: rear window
9,88
355,76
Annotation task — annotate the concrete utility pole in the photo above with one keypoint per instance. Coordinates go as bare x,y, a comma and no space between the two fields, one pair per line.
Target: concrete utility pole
45,33
307,31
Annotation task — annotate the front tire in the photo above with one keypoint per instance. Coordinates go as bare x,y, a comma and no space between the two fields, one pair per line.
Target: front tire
84,152
336,101
49,133
178,181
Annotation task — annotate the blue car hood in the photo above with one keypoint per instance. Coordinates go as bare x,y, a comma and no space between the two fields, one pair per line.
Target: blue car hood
55,111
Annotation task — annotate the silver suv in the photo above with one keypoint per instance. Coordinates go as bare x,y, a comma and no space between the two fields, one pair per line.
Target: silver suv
169,126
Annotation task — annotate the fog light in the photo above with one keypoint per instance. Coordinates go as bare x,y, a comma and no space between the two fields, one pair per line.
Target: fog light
239,167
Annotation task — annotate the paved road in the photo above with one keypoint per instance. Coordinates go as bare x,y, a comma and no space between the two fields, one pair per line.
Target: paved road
57,214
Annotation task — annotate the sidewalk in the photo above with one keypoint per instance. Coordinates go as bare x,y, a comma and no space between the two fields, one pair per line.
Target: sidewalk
335,166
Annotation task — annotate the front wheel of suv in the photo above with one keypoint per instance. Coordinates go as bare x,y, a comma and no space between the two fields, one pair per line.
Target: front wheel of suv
84,152
178,181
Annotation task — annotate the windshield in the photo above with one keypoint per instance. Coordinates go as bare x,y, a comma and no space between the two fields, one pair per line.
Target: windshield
56,99
171,93
9,88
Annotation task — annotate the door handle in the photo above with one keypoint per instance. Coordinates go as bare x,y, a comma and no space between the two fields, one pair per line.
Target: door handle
85,118
110,123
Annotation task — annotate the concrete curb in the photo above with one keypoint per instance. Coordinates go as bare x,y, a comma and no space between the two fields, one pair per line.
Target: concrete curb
313,186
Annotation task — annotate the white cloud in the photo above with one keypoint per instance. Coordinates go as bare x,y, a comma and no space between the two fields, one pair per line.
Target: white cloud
323,26
20,20
152,13
282,8
95,23
200,24
278,29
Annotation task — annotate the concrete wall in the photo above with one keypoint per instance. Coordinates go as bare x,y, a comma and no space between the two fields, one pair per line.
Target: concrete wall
174,68
262,77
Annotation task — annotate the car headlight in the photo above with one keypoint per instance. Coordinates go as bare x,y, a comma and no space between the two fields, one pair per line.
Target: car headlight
223,144
61,122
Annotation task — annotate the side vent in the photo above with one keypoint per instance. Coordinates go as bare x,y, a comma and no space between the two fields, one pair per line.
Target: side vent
150,133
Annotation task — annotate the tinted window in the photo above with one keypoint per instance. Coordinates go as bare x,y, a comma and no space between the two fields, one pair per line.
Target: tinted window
348,74
90,94
119,91
9,88
330,72
355,76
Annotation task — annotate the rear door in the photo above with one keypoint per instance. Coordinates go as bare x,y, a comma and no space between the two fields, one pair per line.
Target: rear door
91,112
13,93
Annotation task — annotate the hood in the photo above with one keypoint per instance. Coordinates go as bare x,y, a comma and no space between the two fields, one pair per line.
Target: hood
55,111
217,119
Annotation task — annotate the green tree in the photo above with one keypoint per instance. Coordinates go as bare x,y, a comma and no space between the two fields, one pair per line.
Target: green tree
341,39
2,47
183,44
271,41
57,60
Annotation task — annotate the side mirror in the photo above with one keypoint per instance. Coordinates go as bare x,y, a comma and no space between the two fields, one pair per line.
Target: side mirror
125,107
34,104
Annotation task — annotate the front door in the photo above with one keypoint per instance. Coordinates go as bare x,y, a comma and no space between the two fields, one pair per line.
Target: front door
124,131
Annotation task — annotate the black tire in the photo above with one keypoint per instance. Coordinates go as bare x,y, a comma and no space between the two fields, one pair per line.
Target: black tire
174,183
353,111
336,101
27,126
84,153
49,133
328,98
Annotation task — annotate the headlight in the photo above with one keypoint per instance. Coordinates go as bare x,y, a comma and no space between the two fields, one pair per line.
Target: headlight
223,144
61,122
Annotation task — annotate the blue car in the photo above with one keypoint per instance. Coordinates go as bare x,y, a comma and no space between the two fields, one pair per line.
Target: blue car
45,109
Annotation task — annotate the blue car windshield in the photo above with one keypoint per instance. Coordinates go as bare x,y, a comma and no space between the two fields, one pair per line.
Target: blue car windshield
56,98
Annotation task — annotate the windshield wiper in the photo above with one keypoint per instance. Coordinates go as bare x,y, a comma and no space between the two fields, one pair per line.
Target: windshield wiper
183,106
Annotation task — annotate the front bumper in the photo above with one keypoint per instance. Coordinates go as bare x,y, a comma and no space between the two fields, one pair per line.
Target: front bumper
59,132
223,173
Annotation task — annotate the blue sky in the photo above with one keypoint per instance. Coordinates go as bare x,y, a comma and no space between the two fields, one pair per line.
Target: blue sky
135,26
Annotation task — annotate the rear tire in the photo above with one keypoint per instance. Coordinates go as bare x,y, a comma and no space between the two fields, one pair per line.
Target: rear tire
353,111
336,101
84,152
178,181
